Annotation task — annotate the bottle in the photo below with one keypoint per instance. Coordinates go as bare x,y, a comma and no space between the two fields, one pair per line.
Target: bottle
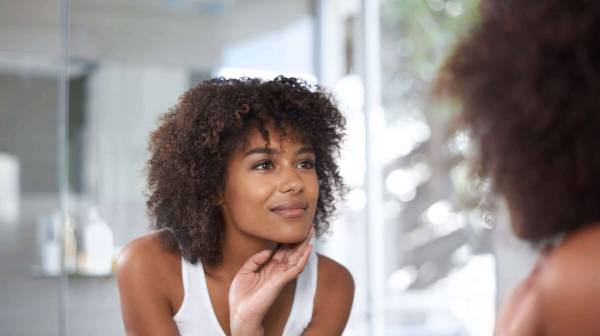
70,244
49,244
9,188
98,245
50,228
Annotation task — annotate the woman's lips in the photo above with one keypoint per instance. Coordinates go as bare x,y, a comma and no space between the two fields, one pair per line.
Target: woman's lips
290,213
291,210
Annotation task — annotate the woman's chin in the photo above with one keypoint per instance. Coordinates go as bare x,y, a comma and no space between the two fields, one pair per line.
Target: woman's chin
289,240
290,236
278,233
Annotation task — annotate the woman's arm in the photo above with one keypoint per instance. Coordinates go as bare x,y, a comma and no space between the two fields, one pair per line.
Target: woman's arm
333,302
143,280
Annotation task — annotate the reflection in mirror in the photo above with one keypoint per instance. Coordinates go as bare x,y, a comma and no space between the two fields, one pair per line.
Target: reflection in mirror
139,57
128,63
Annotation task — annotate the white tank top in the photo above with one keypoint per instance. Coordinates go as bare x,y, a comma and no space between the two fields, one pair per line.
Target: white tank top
197,317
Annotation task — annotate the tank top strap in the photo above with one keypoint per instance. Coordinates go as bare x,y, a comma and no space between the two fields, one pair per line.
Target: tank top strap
196,316
304,297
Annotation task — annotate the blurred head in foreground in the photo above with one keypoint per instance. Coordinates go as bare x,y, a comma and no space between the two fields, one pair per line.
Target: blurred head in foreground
528,80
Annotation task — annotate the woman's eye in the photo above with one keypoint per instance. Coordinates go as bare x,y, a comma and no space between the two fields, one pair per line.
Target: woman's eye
263,165
306,164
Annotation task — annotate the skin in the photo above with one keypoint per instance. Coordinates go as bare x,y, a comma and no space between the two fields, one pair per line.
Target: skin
268,203
561,296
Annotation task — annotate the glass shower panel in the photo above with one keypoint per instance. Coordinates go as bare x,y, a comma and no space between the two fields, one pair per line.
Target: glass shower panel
29,195
30,128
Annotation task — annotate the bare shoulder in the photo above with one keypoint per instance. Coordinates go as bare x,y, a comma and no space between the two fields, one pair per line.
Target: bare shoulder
147,253
569,286
147,264
334,276
333,301
574,262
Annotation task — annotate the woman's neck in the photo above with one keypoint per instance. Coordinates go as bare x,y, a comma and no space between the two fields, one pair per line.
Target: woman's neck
237,247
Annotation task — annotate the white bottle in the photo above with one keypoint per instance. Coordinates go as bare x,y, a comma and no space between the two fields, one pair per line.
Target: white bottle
49,244
9,188
98,245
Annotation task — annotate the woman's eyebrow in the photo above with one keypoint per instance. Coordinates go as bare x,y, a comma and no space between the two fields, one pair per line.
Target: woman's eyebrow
305,149
268,150
261,150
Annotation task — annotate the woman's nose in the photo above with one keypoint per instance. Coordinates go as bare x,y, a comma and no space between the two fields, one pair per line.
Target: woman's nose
291,181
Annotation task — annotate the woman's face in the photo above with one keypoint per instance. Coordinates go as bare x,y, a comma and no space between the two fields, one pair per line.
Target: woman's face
271,192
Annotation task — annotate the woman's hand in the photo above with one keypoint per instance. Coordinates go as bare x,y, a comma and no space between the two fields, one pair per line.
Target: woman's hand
260,280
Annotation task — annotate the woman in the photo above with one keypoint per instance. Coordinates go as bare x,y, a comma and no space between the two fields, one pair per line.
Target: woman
242,174
528,77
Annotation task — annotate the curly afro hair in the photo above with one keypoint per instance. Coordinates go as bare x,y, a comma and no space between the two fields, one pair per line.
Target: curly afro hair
191,147
528,77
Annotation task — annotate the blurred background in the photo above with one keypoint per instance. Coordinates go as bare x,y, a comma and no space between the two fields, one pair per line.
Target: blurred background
83,82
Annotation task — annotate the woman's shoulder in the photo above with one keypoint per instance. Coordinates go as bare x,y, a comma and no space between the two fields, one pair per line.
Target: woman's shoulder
148,259
335,293
578,254
569,284
149,251
334,274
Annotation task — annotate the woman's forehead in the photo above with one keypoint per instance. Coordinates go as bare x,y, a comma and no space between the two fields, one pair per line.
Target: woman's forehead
277,138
